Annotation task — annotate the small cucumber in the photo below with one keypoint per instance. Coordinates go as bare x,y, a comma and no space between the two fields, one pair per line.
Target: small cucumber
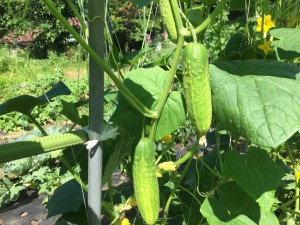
168,19
145,181
197,87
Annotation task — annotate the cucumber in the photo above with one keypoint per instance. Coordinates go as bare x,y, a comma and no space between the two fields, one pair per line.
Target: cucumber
168,19
145,181
196,84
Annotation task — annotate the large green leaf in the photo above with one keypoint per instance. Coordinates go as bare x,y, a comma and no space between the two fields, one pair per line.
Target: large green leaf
259,100
172,116
26,103
66,198
233,206
287,39
148,86
255,173
266,202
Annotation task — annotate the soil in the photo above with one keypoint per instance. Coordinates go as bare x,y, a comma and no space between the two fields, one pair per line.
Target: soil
74,74
30,210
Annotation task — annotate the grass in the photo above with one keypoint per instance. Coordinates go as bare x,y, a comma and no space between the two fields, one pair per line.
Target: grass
21,75
17,70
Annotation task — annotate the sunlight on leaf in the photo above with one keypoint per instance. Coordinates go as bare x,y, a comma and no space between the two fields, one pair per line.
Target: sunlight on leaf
260,104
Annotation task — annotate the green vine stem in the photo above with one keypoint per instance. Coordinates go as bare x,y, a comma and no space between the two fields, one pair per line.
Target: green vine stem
164,151
76,177
209,19
219,148
176,15
37,124
189,154
169,83
166,210
287,204
285,209
120,85
295,171
145,28
210,169
194,35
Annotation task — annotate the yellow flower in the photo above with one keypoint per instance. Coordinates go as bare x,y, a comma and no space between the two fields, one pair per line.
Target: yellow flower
158,174
167,139
125,221
167,166
265,47
268,24
297,176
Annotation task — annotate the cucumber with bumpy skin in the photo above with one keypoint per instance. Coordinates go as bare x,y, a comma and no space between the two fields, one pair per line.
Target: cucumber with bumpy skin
145,180
168,19
197,87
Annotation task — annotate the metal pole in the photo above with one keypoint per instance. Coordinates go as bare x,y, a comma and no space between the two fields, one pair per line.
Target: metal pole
96,89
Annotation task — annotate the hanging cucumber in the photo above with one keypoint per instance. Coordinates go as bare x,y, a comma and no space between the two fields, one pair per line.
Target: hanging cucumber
145,181
168,19
197,87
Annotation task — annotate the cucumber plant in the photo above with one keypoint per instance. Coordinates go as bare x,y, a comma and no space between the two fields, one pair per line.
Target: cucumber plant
217,181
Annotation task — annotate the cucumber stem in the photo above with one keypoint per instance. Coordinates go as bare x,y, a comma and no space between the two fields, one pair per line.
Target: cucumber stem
170,78
288,149
219,149
37,124
209,19
174,190
176,15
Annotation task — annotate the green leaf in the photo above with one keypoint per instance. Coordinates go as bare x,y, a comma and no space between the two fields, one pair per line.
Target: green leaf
267,218
194,15
108,131
266,202
58,89
147,85
19,166
15,192
133,57
61,221
26,103
253,99
172,116
141,3
22,103
122,149
233,206
287,39
255,173
71,112
66,198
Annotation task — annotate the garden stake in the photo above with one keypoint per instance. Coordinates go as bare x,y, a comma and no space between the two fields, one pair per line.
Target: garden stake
96,89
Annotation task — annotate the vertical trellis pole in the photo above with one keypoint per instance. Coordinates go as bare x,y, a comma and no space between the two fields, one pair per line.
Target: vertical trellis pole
96,89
